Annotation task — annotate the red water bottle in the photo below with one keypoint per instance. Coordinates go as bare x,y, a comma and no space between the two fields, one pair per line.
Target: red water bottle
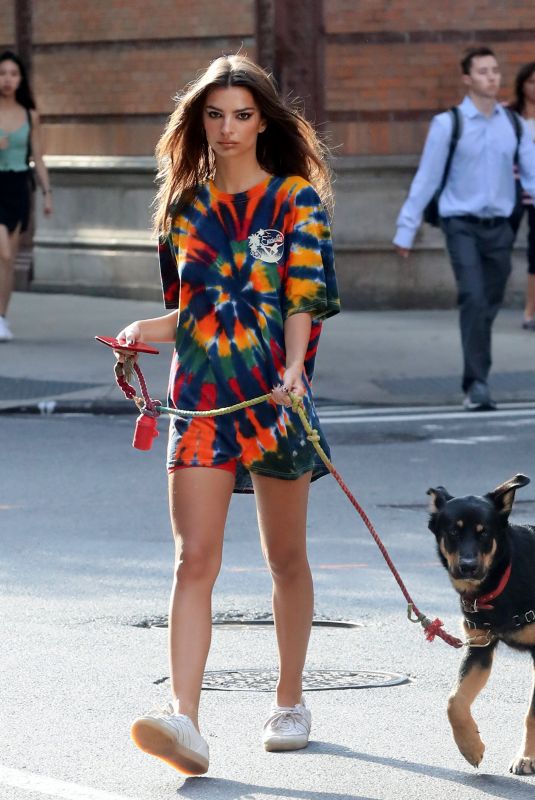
145,432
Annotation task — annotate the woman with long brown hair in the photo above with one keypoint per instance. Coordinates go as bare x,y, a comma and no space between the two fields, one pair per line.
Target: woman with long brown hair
20,139
247,269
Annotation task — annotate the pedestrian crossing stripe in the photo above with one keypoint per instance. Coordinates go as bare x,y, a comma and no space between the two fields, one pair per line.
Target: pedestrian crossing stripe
52,787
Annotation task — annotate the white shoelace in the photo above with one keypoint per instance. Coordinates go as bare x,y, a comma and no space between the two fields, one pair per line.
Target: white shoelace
287,720
166,711
187,734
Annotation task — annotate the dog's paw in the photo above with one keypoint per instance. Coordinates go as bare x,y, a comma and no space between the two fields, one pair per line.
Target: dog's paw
469,742
472,750
523,765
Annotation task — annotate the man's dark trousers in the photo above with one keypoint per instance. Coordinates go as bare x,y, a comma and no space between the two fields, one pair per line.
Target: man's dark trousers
480,254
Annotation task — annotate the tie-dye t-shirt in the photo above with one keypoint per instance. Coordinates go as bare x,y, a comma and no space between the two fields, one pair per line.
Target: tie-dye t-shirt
236,266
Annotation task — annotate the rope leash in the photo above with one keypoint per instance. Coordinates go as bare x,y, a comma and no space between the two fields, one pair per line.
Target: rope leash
152,408
431,628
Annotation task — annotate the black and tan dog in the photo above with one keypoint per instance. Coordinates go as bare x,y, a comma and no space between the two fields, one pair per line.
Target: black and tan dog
491,564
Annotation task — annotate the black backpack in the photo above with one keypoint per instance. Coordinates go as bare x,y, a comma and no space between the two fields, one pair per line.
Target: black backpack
431,215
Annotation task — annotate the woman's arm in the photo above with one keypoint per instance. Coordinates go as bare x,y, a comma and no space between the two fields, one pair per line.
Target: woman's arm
296,337
40,168
159,329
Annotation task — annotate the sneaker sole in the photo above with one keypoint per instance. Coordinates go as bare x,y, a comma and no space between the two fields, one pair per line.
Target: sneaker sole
285,744
152,739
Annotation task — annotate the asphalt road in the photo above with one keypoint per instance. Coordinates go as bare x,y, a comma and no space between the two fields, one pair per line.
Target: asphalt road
85,559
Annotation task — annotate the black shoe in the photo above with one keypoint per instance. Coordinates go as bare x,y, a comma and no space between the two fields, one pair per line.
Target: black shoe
478,398
528,325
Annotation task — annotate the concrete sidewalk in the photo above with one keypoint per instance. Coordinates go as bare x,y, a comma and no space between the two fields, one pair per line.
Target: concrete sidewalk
373,358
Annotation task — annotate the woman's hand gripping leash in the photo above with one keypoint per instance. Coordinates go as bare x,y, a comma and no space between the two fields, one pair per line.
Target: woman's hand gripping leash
292,384
125,367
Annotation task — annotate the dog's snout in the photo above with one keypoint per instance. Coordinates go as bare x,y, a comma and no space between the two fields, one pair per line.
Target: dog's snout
468,567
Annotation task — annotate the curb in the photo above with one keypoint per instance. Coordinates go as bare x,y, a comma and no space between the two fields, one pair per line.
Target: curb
116,408
112,407
48,407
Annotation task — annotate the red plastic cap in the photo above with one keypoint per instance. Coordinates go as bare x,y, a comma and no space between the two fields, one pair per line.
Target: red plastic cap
146,431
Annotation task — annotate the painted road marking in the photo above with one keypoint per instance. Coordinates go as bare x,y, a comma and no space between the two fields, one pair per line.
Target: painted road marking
334,411
31,782
493,416
470,440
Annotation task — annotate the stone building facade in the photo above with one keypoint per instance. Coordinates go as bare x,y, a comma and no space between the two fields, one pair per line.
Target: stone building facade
370,72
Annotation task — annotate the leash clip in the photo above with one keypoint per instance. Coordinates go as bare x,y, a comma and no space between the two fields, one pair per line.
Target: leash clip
151,408
472,606
488,640
410,611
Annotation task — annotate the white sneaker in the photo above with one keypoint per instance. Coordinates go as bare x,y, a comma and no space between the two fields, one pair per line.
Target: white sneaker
173,738
287,728
5,330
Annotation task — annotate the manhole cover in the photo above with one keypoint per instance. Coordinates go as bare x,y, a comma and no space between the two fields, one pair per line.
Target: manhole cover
260,680
319,680
247,620
316,623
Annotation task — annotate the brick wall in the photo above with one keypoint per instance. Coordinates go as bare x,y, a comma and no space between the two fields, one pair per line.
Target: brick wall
124,20
391,65
105,72
7,26
367,16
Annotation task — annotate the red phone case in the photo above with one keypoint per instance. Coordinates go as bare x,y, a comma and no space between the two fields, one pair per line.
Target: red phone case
138,347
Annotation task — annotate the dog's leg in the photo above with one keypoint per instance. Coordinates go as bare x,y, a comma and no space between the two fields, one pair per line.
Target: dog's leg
473,675
524,763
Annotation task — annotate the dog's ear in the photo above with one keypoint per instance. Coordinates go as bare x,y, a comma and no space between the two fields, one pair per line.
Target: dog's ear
503,495
439,497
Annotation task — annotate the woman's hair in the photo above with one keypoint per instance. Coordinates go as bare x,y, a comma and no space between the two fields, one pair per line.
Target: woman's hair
23,94
288,146
523,75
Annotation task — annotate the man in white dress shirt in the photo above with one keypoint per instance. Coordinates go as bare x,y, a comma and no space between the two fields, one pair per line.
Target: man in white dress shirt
474,207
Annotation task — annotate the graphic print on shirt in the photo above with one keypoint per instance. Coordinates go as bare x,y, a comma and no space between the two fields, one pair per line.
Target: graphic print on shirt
267,245
236,267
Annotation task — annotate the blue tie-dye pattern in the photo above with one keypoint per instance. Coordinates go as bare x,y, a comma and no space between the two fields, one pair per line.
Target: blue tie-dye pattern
215,224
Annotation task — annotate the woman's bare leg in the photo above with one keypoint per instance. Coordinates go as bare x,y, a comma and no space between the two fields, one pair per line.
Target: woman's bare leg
199,498
9,245
529,310
282,516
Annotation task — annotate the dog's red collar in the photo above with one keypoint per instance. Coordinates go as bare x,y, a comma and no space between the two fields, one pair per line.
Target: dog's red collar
472,604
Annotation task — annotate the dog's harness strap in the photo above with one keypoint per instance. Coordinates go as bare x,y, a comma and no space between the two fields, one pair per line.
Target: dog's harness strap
472,604
524,619
518,621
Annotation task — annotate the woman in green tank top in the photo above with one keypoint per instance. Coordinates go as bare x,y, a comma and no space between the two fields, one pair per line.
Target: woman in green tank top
19,140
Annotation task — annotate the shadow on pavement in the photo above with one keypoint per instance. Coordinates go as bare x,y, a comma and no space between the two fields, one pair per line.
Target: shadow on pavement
507,788
224,789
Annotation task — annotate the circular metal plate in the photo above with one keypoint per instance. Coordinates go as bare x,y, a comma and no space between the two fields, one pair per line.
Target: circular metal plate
246,621
265,680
